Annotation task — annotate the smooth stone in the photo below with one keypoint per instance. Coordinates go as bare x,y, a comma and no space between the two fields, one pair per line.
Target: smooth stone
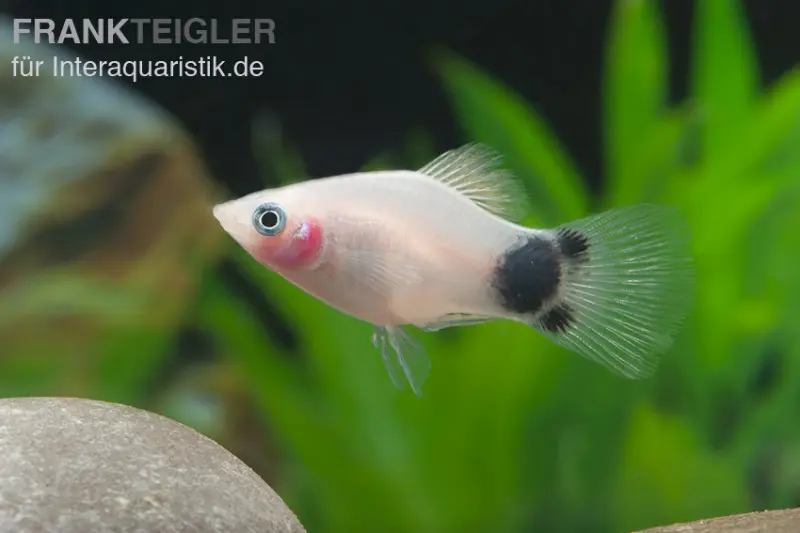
780,521
80,466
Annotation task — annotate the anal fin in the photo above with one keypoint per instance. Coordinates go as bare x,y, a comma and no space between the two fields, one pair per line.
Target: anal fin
454,321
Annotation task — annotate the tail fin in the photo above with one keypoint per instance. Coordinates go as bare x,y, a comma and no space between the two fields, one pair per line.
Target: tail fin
627,287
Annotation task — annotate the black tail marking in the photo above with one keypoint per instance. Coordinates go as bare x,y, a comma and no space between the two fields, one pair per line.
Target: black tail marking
528,275
573,244
558,319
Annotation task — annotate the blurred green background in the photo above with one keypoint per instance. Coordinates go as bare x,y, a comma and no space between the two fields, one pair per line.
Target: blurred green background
512,434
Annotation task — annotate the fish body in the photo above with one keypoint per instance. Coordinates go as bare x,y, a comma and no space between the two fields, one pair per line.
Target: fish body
441,247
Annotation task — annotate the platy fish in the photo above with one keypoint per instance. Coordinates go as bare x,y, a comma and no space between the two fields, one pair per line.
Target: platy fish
441,247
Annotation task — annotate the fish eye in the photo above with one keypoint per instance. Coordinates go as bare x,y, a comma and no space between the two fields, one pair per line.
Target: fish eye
269,219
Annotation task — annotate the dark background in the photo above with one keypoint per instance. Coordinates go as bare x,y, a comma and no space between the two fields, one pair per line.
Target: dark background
348,79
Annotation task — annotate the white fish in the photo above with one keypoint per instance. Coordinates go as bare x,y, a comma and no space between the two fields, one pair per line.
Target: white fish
439,247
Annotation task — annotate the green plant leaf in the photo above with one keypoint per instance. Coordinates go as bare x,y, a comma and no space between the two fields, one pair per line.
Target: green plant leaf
635,88
769,138
491,113
645,174
724,72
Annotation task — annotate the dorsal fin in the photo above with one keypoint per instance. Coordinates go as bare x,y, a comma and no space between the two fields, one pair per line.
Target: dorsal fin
474,171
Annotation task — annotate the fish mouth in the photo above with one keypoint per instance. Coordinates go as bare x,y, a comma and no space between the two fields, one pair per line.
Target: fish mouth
226,215
219,212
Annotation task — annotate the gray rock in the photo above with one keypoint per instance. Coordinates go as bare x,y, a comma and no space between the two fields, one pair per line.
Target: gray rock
781,521
81,466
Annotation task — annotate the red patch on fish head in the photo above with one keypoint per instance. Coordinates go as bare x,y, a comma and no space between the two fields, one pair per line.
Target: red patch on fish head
296,249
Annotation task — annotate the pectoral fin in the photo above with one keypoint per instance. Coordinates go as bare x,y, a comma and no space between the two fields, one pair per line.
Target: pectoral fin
409,358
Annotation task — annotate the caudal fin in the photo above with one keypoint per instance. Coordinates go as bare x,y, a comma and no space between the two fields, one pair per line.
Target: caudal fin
627,287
